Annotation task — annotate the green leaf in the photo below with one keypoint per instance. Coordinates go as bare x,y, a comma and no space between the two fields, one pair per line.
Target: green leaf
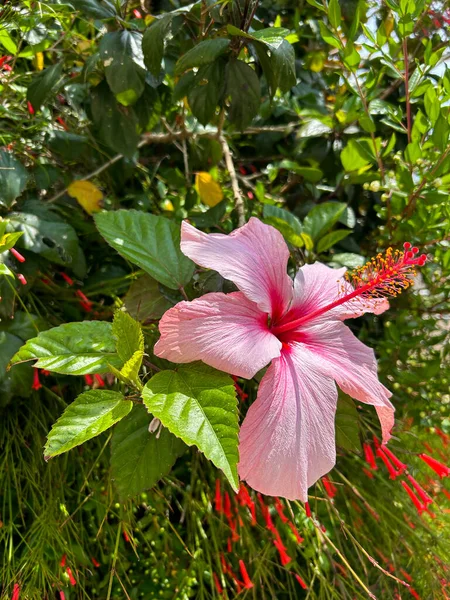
95,9
311,174
347,424
7,42
334,13
13,178
72,349
332,238
278,65
54,240
89,415
153,43
322,217
285,222
128,335
149,241
351,57
329,37
271,36
144,300
207,89
24,325
413,152
198,404
117,126
129,373
121,53
440,133
43,84
353,158
139,459
210,217
4,270
243,87
202,54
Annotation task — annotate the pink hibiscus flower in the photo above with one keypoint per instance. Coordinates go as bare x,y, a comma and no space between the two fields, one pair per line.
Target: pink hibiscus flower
287,439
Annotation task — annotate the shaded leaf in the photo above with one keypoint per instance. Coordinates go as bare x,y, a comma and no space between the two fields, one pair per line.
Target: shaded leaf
153,43
332,238
322,217
203,53
347,424
13,178
139,459
43,84
243,87
144,300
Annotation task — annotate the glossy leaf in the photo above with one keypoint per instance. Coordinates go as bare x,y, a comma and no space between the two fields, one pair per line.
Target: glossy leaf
144,300
202,54
149,241
198,404
139,459
128,335
153,43
72,349
332,238
89,415
322,217
242,84
43,84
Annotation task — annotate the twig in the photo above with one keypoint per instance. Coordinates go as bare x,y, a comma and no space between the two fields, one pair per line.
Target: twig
238,199
407,99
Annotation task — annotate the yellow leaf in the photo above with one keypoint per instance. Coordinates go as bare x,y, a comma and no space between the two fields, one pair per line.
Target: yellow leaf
39,61
87,195
389,24
209,191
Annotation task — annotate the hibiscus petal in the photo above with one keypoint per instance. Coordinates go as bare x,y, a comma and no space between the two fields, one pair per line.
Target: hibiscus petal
254,257
226,331
287,439
317,285
352,364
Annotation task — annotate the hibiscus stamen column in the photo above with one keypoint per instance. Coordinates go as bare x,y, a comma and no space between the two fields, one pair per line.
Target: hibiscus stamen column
383,276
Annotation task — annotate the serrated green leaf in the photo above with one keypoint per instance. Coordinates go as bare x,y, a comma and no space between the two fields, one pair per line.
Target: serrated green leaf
332,238
347,424
139,459
285,222
96,9
129,373
322,217
128,335
278,64
198,404
89,415
72,349
202,54
149,241
206,90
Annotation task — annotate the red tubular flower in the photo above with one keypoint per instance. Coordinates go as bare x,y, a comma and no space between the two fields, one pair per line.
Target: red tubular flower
138,15
308,510
72,579
414,594
89,379
223,562
266,513
428,447
420,507
234,534
217,584
85,302
227,506
229,546
3,60
247,581
280,510
63,124
439,468
301,582
400,466
294,530
240,392
36,383
22,279
393,474
278,539
421,492
368,473
444,437
284,556
95,563
244,499
99,380
16,592
62,596
369,456
30,108
17,255
446,493
405,516
330,488
218,497
126,537
66,278
406,575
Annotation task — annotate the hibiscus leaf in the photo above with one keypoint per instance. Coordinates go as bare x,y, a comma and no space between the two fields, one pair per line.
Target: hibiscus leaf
72,349
89,415
128,334
347,424
144,300
198,404
139,458
322,217
149,241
